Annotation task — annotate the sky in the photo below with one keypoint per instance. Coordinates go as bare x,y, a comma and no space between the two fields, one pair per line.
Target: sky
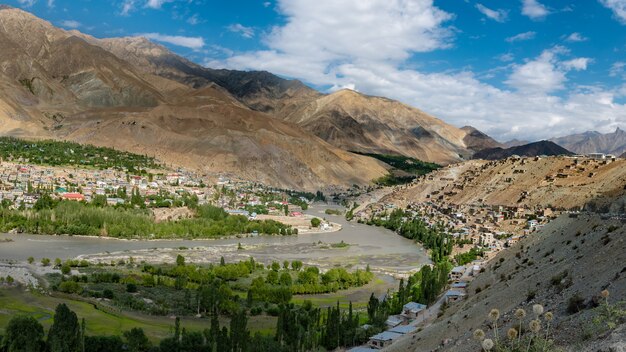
524,69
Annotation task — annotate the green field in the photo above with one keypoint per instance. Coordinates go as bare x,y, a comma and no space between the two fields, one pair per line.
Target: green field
16,301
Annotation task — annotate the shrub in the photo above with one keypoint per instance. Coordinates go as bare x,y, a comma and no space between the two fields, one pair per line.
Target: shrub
575,304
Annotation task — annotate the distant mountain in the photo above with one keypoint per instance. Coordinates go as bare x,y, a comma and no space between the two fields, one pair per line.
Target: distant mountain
594,142
476,140
531,149
515,143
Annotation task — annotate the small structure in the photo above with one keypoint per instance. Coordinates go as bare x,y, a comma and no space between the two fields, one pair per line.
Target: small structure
403,329
457,272
412,309
382,340
454,295
394,320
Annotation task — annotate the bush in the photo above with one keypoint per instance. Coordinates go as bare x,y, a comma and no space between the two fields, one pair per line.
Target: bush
131,288
315,222
70,287
575,304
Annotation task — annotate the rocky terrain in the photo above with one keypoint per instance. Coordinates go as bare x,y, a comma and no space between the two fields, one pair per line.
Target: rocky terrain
562,182
574,256
594,142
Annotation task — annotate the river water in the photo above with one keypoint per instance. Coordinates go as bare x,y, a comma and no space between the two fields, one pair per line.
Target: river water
383,250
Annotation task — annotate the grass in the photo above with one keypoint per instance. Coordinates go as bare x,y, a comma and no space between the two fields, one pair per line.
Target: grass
41,307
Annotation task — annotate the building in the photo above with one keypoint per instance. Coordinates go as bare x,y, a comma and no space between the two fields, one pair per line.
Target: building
412,309
457,272
382,340
394,320
453,296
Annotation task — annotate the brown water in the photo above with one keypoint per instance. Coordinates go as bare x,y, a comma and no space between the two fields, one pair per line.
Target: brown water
382,249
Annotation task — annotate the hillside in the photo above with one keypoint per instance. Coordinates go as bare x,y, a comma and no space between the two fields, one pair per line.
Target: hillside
477,140
561,261
58,84
531,149
561,182
346,119
594,142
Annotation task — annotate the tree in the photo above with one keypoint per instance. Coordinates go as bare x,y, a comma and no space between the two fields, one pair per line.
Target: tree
23,334
180,260
31,260
57,262
315,222
136,340
66,269
275,266
103,344
286,265
296,265
64,334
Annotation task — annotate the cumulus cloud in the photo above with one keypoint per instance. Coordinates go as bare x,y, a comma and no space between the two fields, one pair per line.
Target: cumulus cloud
370,48
70,24
246,32
127,7
534,9
156,4
496,15
618,7
521,37
195,43
618,69
575,37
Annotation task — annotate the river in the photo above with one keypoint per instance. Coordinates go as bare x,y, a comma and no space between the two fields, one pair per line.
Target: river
384,251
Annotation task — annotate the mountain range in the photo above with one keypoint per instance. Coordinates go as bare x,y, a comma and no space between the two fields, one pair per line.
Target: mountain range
132,94
530,149
594,142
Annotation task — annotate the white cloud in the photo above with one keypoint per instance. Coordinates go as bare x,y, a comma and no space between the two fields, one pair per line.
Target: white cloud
522,36
369,51
578,64
187,42
267,4
50,3
534,9
576,37
193,20
496,15
27,3
618,7
506,57
618,69
246,32
127,7
70,24
156,4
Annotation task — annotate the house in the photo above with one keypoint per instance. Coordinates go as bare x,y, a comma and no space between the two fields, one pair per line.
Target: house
382,340
73,196
394,320
453,296
403,330
458,286
457,272
361,349
412,309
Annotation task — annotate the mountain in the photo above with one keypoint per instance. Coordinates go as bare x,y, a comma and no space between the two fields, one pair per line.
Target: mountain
346,119
515,143
57,84
476,140
531,149
594,142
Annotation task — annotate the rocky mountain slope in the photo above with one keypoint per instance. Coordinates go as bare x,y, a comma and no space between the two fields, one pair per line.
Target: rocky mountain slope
346,119
531,149
476,140
573,256
561,182
594,142
58,84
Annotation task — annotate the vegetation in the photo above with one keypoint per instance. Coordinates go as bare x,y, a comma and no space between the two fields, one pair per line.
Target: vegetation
405,163
468,257
59,153
74,218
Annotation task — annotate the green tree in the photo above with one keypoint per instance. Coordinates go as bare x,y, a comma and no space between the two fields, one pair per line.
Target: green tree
31,260
315,222
45,261
23,334
64,334
66,269
180,260
136,340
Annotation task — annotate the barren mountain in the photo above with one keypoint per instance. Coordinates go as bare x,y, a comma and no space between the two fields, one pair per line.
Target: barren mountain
531,149
345,119
476,141
515,143
571,257
594,142
56,84
561,182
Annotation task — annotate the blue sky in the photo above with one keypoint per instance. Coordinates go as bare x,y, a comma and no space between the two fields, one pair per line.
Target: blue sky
527,69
